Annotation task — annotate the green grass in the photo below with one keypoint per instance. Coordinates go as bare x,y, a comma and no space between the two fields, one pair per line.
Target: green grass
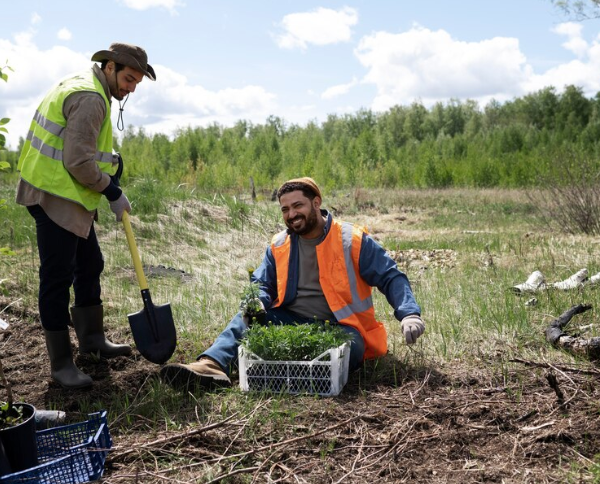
492,241
215,237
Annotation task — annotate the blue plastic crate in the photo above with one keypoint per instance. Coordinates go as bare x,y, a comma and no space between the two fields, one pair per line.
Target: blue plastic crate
68,454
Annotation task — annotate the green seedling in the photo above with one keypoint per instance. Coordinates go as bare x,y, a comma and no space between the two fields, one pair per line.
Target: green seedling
250,304
10,415
298,342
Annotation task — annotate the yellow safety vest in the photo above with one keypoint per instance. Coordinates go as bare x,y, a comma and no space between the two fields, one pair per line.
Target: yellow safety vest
41,162
349,297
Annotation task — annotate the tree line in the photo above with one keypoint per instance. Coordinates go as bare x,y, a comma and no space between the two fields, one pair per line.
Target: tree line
452,144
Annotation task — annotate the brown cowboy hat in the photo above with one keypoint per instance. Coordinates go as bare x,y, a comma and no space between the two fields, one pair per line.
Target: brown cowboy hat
128,55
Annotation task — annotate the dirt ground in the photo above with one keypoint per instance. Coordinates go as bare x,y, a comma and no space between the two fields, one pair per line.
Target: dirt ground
448,424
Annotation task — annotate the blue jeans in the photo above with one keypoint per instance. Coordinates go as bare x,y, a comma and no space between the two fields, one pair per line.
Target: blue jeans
224,349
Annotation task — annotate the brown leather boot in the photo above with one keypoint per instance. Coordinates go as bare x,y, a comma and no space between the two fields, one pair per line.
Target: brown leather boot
89,327
204,373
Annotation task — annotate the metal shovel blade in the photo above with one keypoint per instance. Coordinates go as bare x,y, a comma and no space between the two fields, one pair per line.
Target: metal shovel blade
153,328
154,331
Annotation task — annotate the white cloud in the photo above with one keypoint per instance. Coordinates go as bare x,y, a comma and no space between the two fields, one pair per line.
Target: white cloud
174,96
20,96
339,90
577,73
570,29
64,34
156,106
575,42
35,18
322,26
583,72
147,4
431,66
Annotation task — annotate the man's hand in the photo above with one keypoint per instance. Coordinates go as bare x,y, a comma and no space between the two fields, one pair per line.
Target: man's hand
412,327
119,205
247,315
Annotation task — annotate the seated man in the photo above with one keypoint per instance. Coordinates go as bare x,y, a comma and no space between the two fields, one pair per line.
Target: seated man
318,269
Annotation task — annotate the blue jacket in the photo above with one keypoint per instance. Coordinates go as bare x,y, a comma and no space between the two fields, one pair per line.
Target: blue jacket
376,267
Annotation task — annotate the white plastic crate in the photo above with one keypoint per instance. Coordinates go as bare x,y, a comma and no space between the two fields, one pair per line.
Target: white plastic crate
326,375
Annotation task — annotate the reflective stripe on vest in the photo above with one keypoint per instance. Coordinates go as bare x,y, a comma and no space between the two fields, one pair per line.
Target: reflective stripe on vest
357,305
41,162
58,130
347,294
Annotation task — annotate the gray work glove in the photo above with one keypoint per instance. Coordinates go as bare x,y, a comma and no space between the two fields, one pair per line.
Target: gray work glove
412,327
119,205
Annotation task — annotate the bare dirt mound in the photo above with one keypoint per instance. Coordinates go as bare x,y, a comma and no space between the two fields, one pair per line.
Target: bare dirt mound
390,424
27,368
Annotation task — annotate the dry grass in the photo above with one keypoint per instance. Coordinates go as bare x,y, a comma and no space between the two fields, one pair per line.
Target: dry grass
469,403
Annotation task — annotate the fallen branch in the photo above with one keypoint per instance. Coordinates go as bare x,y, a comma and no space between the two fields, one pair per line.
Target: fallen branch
537,364
553,382
220,458
244,470
171,438
293,440
537,427
588,347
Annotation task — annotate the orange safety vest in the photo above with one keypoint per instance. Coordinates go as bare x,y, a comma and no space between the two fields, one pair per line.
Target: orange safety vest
348,295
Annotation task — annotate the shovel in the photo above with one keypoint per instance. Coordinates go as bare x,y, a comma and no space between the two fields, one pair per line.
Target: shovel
152,328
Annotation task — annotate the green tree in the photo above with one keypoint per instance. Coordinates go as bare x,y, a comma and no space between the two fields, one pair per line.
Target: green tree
579,9
3,164
539,108
414,124
4,121
574,111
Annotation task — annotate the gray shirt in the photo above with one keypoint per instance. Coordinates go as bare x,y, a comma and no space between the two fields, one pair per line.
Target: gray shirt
310,301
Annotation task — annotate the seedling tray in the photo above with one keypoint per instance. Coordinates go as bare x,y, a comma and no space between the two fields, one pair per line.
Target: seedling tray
69,454
326,375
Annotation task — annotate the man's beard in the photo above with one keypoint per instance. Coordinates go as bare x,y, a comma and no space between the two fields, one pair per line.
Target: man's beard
309,223
114,87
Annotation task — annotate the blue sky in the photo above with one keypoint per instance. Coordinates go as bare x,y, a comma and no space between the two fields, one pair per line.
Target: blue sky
299,60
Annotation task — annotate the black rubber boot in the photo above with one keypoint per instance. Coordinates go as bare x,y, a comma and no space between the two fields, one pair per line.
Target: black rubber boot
62,367
89,327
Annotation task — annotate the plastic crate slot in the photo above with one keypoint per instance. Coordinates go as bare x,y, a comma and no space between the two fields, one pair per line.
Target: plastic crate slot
68,454
326,375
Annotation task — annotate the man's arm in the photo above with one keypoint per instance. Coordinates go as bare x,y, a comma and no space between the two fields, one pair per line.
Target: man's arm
266,276
85,112
379,270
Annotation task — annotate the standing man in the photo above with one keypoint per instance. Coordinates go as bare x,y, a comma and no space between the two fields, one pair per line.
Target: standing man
318,269
67,164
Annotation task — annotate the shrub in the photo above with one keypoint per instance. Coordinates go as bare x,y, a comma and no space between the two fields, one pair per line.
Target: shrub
569,200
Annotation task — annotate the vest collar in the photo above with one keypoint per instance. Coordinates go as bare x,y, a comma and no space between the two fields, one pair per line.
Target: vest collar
329,217
102,78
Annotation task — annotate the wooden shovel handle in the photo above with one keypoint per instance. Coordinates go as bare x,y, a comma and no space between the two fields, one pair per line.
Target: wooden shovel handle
135,256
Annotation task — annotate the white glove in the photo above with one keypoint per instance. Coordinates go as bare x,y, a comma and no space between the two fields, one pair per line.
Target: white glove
412,327
119,205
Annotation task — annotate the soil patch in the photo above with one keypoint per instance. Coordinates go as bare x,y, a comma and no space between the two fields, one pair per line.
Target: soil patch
455,423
